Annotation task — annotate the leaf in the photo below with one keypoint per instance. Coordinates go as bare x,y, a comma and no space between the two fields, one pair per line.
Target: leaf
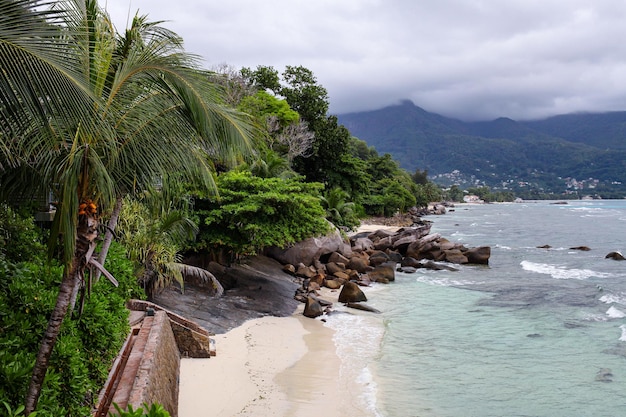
104,272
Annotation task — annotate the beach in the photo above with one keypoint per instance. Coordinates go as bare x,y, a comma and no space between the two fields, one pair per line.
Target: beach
273,366
269,366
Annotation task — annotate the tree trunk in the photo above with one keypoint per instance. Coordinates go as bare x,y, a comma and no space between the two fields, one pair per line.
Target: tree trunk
86,233
108,236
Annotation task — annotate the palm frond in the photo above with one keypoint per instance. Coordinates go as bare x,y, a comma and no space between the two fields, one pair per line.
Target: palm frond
199,274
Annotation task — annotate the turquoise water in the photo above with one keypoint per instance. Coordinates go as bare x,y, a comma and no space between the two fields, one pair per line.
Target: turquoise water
536,333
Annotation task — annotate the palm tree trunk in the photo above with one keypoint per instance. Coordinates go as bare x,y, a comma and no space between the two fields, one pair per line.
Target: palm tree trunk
49,339
87,232
108,236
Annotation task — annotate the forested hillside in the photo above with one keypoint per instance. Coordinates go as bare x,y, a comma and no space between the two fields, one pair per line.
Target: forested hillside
582,154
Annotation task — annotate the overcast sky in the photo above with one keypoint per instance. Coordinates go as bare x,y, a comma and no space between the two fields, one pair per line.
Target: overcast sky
469,59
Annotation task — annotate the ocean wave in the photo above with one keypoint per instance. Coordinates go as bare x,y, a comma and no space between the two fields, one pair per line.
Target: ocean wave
614,298
443,281
623,336
562,272
357,342
614,313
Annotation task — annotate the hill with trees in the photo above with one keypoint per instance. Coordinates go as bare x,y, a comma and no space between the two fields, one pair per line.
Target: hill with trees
574,154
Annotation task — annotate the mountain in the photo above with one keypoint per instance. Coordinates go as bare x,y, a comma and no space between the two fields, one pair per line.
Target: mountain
503,153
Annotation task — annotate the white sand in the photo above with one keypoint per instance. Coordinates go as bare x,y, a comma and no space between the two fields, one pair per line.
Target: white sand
271,367
267,367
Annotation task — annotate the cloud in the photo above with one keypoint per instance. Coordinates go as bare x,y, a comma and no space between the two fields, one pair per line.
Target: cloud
473,60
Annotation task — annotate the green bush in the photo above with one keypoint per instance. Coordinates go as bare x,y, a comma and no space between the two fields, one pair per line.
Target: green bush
86,346
19,238
253,213
154,410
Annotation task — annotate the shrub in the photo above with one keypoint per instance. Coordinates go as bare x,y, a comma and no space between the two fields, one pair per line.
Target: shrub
19,238
86,346
154,410
253,213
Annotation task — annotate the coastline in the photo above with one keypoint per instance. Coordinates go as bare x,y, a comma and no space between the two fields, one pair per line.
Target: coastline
277,366
282,366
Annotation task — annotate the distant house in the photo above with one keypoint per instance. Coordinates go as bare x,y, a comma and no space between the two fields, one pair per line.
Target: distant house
472,199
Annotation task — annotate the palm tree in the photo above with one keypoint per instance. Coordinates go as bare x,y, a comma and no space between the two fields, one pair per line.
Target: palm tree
94,116
154,230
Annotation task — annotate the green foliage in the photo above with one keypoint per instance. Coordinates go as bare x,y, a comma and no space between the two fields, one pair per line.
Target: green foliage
18,412
253,213
19,238
264,104
154,228
86,346
154,410
339,210
455,194
485,194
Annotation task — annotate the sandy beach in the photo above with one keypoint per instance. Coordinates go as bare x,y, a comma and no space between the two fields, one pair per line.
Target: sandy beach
272,366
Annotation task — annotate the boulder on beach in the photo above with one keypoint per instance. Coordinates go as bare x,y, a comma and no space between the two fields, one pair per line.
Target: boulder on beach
309,250
383,273
351,293
312,308
363,307
581,248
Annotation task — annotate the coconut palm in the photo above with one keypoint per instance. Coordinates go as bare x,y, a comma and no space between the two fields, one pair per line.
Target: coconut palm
154,230
93,116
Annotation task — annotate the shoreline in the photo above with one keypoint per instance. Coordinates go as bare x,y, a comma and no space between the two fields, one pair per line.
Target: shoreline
282,366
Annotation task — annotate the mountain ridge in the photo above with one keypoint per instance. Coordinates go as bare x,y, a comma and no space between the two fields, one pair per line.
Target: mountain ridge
545,154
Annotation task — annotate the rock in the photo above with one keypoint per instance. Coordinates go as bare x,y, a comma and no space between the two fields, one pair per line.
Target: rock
407,261
455,256
604,375
362,244
305,271
424,244
395,256
358,264
363,307
351,293
378,258
337,258
313,286
544,247
407,269
615,256
333,284
341,276
383,244
478,255
308,250
383,272
438,267
582,248
333,267
312,308
290,269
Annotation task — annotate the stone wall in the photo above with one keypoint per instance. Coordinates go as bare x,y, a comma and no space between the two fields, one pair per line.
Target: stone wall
159,370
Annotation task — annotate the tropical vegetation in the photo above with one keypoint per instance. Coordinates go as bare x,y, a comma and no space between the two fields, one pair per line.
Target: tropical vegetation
143,156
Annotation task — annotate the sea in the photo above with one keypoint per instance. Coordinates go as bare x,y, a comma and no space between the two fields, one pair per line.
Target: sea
540,331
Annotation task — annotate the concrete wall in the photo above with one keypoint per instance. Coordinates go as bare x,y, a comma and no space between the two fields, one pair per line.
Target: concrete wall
159,370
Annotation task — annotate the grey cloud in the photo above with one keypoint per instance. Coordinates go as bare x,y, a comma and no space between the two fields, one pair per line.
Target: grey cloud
473,60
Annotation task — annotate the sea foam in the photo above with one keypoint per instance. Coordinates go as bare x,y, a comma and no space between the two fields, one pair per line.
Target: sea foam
614,313
561,272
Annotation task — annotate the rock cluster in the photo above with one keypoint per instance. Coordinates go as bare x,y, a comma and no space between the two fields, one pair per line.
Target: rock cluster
371,257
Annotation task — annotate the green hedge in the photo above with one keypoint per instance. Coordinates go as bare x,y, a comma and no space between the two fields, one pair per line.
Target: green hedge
86,346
